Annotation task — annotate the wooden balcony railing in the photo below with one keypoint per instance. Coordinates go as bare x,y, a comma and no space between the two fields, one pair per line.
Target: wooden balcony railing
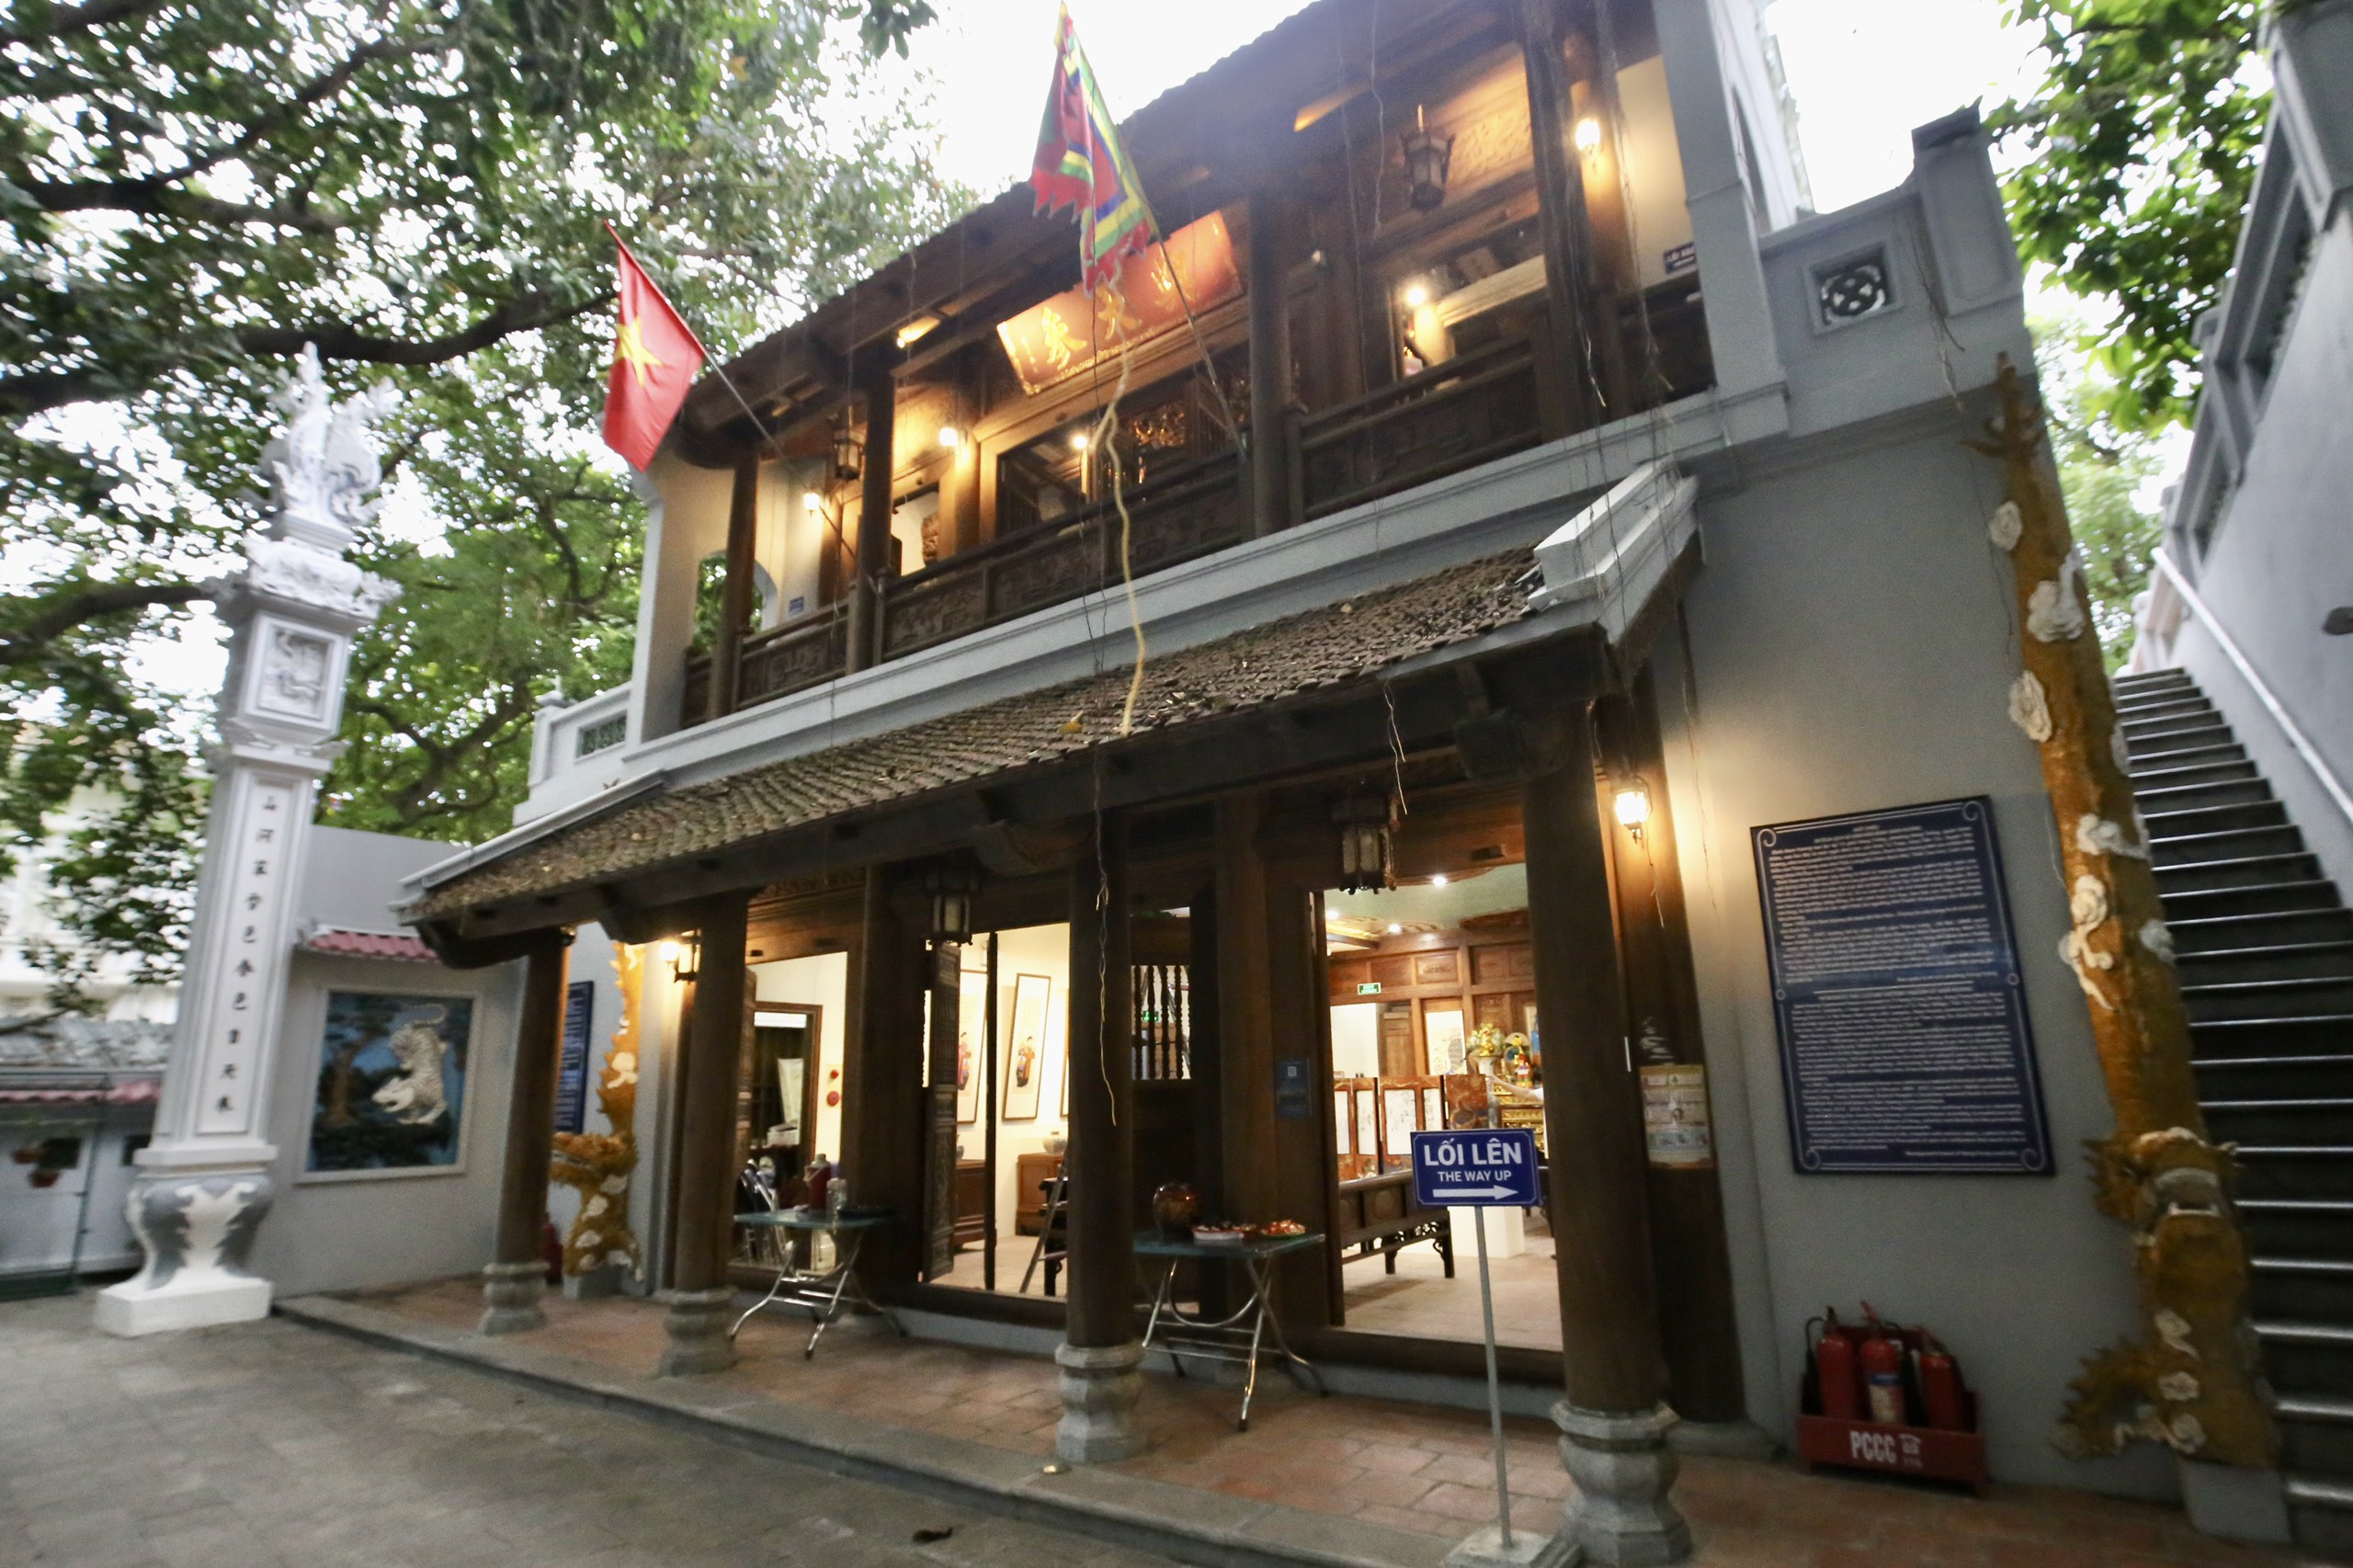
803,652
1187,512
1451,417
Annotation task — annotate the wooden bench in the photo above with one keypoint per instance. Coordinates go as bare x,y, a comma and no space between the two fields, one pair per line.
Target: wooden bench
1377,1214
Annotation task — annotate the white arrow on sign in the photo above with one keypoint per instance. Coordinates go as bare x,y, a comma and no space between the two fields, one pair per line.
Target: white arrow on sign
1479,1192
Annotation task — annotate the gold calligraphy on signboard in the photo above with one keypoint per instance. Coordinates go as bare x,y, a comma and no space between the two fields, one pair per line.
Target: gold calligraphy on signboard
1069,333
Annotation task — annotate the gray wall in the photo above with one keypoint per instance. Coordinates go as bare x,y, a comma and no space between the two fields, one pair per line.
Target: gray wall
351,1231
1853,639
2282,558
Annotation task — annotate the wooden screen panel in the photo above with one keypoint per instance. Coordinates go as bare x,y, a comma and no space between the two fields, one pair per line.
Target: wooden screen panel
1400,1041
1500,964
1393,970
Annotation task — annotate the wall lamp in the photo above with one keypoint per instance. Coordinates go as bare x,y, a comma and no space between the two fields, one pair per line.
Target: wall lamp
951,889
1631,802
1588,136
1428,163
950,436
684,955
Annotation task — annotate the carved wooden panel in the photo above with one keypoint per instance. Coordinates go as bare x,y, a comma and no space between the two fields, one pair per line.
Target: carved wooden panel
1437,969
933,610
1393,969
1501,964
786,661
1056,569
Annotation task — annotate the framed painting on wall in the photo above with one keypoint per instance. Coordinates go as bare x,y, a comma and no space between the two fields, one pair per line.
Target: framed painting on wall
972,1028
1447,1042
1025,1046
392,1085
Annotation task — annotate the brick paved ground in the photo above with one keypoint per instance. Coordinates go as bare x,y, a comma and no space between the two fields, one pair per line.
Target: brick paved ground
270,1444
1406,1466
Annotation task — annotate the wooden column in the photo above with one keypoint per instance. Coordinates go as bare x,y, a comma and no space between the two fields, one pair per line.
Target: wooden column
1100,1356
517,1276
702,1196
882,1143
1567,232
1613,1423
880,390
939,1110
1270,362
1245,1031
1689,1250
736,598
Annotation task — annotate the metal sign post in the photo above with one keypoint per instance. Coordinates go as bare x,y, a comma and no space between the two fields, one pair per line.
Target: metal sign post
1479,1171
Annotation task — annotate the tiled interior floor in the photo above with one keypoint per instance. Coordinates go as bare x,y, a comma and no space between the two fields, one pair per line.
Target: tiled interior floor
1419,1300
1408,1466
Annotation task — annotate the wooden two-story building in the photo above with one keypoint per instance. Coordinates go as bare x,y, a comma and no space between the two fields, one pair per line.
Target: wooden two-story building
1519,497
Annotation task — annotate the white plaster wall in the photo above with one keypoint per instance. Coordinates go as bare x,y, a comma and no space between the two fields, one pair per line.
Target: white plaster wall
2282,558
350,1231
1852,641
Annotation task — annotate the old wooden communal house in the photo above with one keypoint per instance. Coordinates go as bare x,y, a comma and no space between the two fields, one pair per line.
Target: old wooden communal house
1547,501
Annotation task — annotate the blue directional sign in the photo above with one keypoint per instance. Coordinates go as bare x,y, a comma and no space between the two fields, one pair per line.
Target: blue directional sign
1454,1170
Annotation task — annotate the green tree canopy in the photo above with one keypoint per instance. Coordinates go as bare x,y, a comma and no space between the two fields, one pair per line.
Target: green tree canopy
189,193
2142,135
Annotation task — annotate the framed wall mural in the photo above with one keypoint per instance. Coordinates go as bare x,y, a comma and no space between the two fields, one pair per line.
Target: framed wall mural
1025,1046
972,1041
392,1085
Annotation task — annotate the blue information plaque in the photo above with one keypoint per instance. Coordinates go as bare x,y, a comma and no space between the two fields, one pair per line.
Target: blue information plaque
571,1067
1897,995
1481,1169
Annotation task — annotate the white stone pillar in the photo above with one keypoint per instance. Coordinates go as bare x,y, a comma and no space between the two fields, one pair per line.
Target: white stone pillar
292,610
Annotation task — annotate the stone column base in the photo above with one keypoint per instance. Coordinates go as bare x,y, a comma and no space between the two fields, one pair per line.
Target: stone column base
697,1324
2235,1503
1723,1440
1099,1389
512,1292
1624,1470
1528,1549
196,1227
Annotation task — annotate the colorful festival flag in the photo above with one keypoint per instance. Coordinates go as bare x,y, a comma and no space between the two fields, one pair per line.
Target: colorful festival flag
655,357
1080,164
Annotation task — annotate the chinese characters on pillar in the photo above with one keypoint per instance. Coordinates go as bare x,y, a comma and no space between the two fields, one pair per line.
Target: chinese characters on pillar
247,956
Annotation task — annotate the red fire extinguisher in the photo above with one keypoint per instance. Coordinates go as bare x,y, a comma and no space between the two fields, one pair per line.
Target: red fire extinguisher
1834,1360
1882,1363
1940,1387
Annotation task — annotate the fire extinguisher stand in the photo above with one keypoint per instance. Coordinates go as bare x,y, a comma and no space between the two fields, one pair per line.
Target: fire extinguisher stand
1479,1171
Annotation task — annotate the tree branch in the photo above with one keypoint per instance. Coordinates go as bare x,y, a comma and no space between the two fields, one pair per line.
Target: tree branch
157,199
35,637
64,19
36,392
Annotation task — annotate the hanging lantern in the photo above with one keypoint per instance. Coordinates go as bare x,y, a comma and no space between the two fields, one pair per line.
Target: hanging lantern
850,452
951,889
1368,844
684,955
1428,163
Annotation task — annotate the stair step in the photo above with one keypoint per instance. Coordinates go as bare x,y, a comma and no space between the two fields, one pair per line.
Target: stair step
2194,936
2300,1227
2314,1034
2190,752
2260,898
2267,960
2326,1076
2196,820
2250,999
2235,871
2142,680
2168,738
2232,769
2327,1493
2291,1120
2229,844
2160,799
2199,716
2295,1170
2307,1360
2169,705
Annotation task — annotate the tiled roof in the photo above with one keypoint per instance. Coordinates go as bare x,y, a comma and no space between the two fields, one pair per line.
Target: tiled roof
1310,651
336,941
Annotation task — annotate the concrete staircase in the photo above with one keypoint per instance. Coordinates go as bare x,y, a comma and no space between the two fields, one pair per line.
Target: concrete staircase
2266,952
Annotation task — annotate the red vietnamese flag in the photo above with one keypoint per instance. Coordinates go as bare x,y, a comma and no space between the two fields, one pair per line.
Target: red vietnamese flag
655,357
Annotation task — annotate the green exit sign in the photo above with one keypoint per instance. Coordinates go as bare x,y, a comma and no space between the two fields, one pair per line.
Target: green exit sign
1368,988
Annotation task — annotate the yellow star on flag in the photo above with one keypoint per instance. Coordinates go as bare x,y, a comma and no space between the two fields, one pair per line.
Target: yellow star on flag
628,348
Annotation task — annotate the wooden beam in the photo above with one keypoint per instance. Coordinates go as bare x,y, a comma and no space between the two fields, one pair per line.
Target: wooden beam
735,595
1102,1123
702,1200
874,541
1271,221
531,1104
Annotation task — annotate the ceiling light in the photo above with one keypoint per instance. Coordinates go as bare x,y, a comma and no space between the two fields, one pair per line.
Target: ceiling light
1417,296
950,436
1395,929
915,330
1080,441
1588,134
1439,880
